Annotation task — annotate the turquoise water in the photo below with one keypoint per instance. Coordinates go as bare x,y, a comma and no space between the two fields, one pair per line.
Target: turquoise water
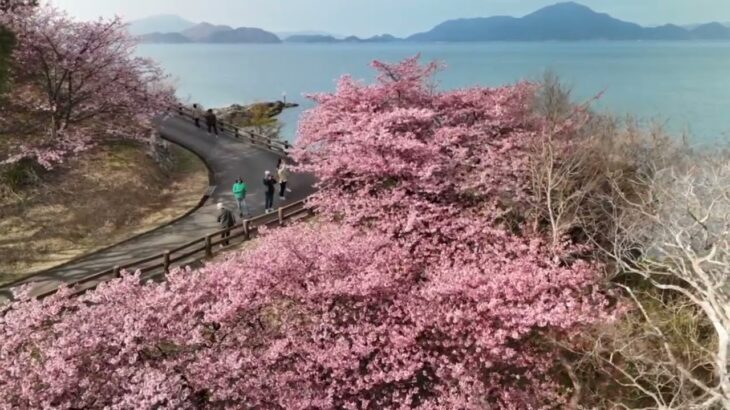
684,85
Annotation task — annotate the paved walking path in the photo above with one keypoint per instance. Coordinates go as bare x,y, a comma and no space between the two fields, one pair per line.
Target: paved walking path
228,158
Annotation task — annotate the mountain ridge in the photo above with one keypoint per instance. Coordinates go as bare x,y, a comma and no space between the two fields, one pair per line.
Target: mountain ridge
213,34
567,21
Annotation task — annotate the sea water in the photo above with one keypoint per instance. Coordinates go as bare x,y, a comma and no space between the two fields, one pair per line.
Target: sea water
683,85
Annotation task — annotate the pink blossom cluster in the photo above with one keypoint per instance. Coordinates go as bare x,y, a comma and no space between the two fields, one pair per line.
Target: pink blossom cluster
55,151
81,78
439,169
13,10
314,317
425,291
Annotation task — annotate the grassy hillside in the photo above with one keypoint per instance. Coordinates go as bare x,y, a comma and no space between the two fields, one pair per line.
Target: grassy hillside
101,198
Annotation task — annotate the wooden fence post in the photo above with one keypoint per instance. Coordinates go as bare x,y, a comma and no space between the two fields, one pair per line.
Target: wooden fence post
247,229
166,261
281,216
208,247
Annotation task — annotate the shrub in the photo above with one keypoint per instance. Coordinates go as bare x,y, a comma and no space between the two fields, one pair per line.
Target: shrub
20,174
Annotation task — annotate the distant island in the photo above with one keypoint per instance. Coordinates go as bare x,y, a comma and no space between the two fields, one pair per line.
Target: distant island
560,22
385,38
209,33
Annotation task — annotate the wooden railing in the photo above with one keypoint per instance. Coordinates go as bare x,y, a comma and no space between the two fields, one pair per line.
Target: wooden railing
207,246
204,247
273,144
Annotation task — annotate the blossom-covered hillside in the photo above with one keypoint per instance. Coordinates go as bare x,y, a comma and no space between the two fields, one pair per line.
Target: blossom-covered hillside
422,286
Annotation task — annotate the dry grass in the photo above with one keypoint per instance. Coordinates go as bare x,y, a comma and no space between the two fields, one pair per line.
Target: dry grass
103,198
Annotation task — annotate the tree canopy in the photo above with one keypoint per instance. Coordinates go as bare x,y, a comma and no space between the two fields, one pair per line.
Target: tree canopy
77,83
423,290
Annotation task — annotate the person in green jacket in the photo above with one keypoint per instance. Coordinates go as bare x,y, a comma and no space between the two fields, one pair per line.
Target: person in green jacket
239,192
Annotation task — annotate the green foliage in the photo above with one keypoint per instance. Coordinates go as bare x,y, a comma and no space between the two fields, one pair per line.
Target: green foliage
20,174
260,116
632,352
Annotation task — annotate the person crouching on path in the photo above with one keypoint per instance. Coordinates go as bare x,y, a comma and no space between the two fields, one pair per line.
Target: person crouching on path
239,192
226,220
270,184
197,113
283,173
211,121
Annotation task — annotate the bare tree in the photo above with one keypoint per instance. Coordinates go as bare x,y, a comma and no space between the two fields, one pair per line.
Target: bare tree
557,168
675,239
660,216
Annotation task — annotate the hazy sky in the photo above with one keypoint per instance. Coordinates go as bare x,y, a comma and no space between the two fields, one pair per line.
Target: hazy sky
368,17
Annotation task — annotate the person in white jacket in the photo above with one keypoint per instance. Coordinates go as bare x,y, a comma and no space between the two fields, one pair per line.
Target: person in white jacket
197,114
282,172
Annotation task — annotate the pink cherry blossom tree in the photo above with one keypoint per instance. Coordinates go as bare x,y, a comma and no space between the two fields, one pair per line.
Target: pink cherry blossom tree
439,169
13,6
83,81
314,317
426,291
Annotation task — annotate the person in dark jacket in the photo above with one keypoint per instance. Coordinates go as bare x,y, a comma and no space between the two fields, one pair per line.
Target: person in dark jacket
226,220
211,121
270,184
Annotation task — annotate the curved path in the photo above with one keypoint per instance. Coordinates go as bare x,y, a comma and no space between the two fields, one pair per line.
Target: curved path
227,159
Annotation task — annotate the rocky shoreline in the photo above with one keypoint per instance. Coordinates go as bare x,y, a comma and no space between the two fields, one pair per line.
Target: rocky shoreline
253,114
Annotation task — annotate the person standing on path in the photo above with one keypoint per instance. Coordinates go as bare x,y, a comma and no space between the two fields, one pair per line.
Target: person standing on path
283,174
197,113
211,121
226,220
270,184
239,192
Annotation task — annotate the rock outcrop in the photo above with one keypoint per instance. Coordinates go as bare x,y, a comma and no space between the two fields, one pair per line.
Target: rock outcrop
241,115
